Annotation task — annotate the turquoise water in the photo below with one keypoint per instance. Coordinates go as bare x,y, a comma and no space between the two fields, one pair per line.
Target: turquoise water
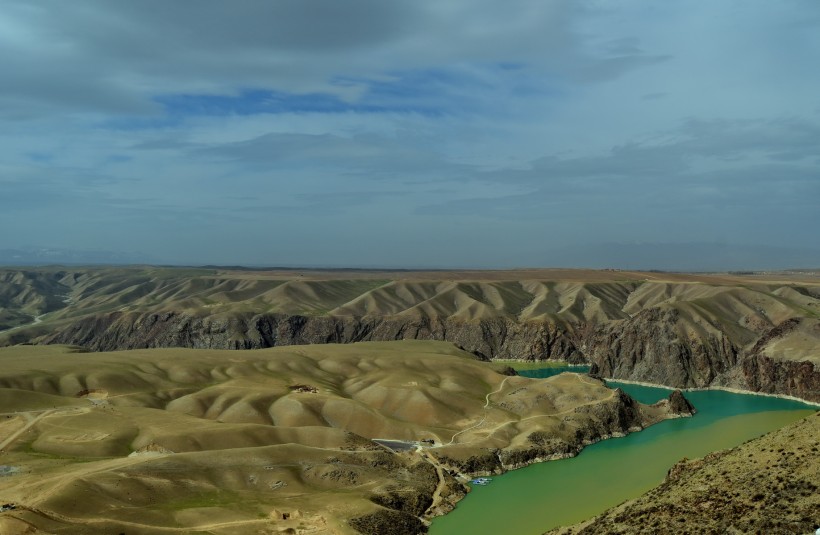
542,496
543,373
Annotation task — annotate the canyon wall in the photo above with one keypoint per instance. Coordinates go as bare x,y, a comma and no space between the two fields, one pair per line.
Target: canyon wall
681,331
650,347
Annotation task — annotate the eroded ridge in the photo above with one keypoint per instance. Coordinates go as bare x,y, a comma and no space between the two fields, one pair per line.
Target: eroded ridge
757,332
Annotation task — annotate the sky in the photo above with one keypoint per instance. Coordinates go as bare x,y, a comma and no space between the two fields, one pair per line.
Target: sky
456,133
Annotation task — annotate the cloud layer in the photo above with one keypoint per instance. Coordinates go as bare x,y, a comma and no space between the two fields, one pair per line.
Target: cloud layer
437,134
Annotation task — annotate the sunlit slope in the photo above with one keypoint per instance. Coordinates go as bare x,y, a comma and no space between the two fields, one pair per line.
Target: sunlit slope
755,332
259,387
178,289
237,442
410,390
796,341
99,291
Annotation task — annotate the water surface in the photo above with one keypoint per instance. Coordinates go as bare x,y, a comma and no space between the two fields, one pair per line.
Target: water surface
542,496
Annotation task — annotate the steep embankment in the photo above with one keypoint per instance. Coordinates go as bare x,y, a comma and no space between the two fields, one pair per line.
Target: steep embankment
487,338
768,485
666,346
755,333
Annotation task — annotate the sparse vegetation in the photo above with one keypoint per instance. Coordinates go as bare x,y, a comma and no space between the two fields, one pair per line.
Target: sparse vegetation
194,438
759,486
269,422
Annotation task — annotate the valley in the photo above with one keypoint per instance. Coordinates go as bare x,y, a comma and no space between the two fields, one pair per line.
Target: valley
755,332
350,401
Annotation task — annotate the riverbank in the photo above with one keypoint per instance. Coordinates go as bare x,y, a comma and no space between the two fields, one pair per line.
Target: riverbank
546,495
715,388
537,364
766,485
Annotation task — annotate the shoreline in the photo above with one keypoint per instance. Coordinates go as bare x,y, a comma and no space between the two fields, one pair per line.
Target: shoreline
538,364
580,447
552,361
465,477
559,363
723,388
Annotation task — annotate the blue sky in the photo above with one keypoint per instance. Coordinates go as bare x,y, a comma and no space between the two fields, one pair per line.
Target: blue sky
414,134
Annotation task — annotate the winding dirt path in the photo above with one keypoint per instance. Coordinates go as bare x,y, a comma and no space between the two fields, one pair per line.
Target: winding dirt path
427,456
484,418
559,413
91,521
440,486
31,421
36,320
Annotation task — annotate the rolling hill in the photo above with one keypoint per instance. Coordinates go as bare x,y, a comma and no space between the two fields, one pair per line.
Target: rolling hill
758,332
368,438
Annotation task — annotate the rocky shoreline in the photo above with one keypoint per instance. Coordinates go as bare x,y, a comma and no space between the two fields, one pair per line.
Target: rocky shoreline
722,388
616,418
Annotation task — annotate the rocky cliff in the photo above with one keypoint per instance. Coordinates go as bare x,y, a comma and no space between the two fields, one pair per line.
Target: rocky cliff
661,346
494,338
656,345
653,346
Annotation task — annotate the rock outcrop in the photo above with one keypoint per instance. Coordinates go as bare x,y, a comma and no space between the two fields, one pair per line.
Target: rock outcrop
388,522
677,405
761,372
590,423
770,376
653,346
657,346
496,338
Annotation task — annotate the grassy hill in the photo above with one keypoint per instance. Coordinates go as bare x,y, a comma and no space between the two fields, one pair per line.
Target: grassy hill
276,439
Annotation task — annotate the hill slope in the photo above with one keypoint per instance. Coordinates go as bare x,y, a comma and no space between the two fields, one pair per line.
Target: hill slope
276,439
755,332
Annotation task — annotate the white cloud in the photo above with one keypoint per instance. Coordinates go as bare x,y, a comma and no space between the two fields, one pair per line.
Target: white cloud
534,122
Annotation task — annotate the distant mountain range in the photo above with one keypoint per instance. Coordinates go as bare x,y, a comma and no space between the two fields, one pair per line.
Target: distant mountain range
39,256
685,257
680,257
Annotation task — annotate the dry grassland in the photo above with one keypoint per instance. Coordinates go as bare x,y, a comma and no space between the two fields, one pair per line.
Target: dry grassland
201,441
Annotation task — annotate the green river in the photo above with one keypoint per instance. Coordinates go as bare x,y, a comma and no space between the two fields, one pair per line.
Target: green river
539,497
